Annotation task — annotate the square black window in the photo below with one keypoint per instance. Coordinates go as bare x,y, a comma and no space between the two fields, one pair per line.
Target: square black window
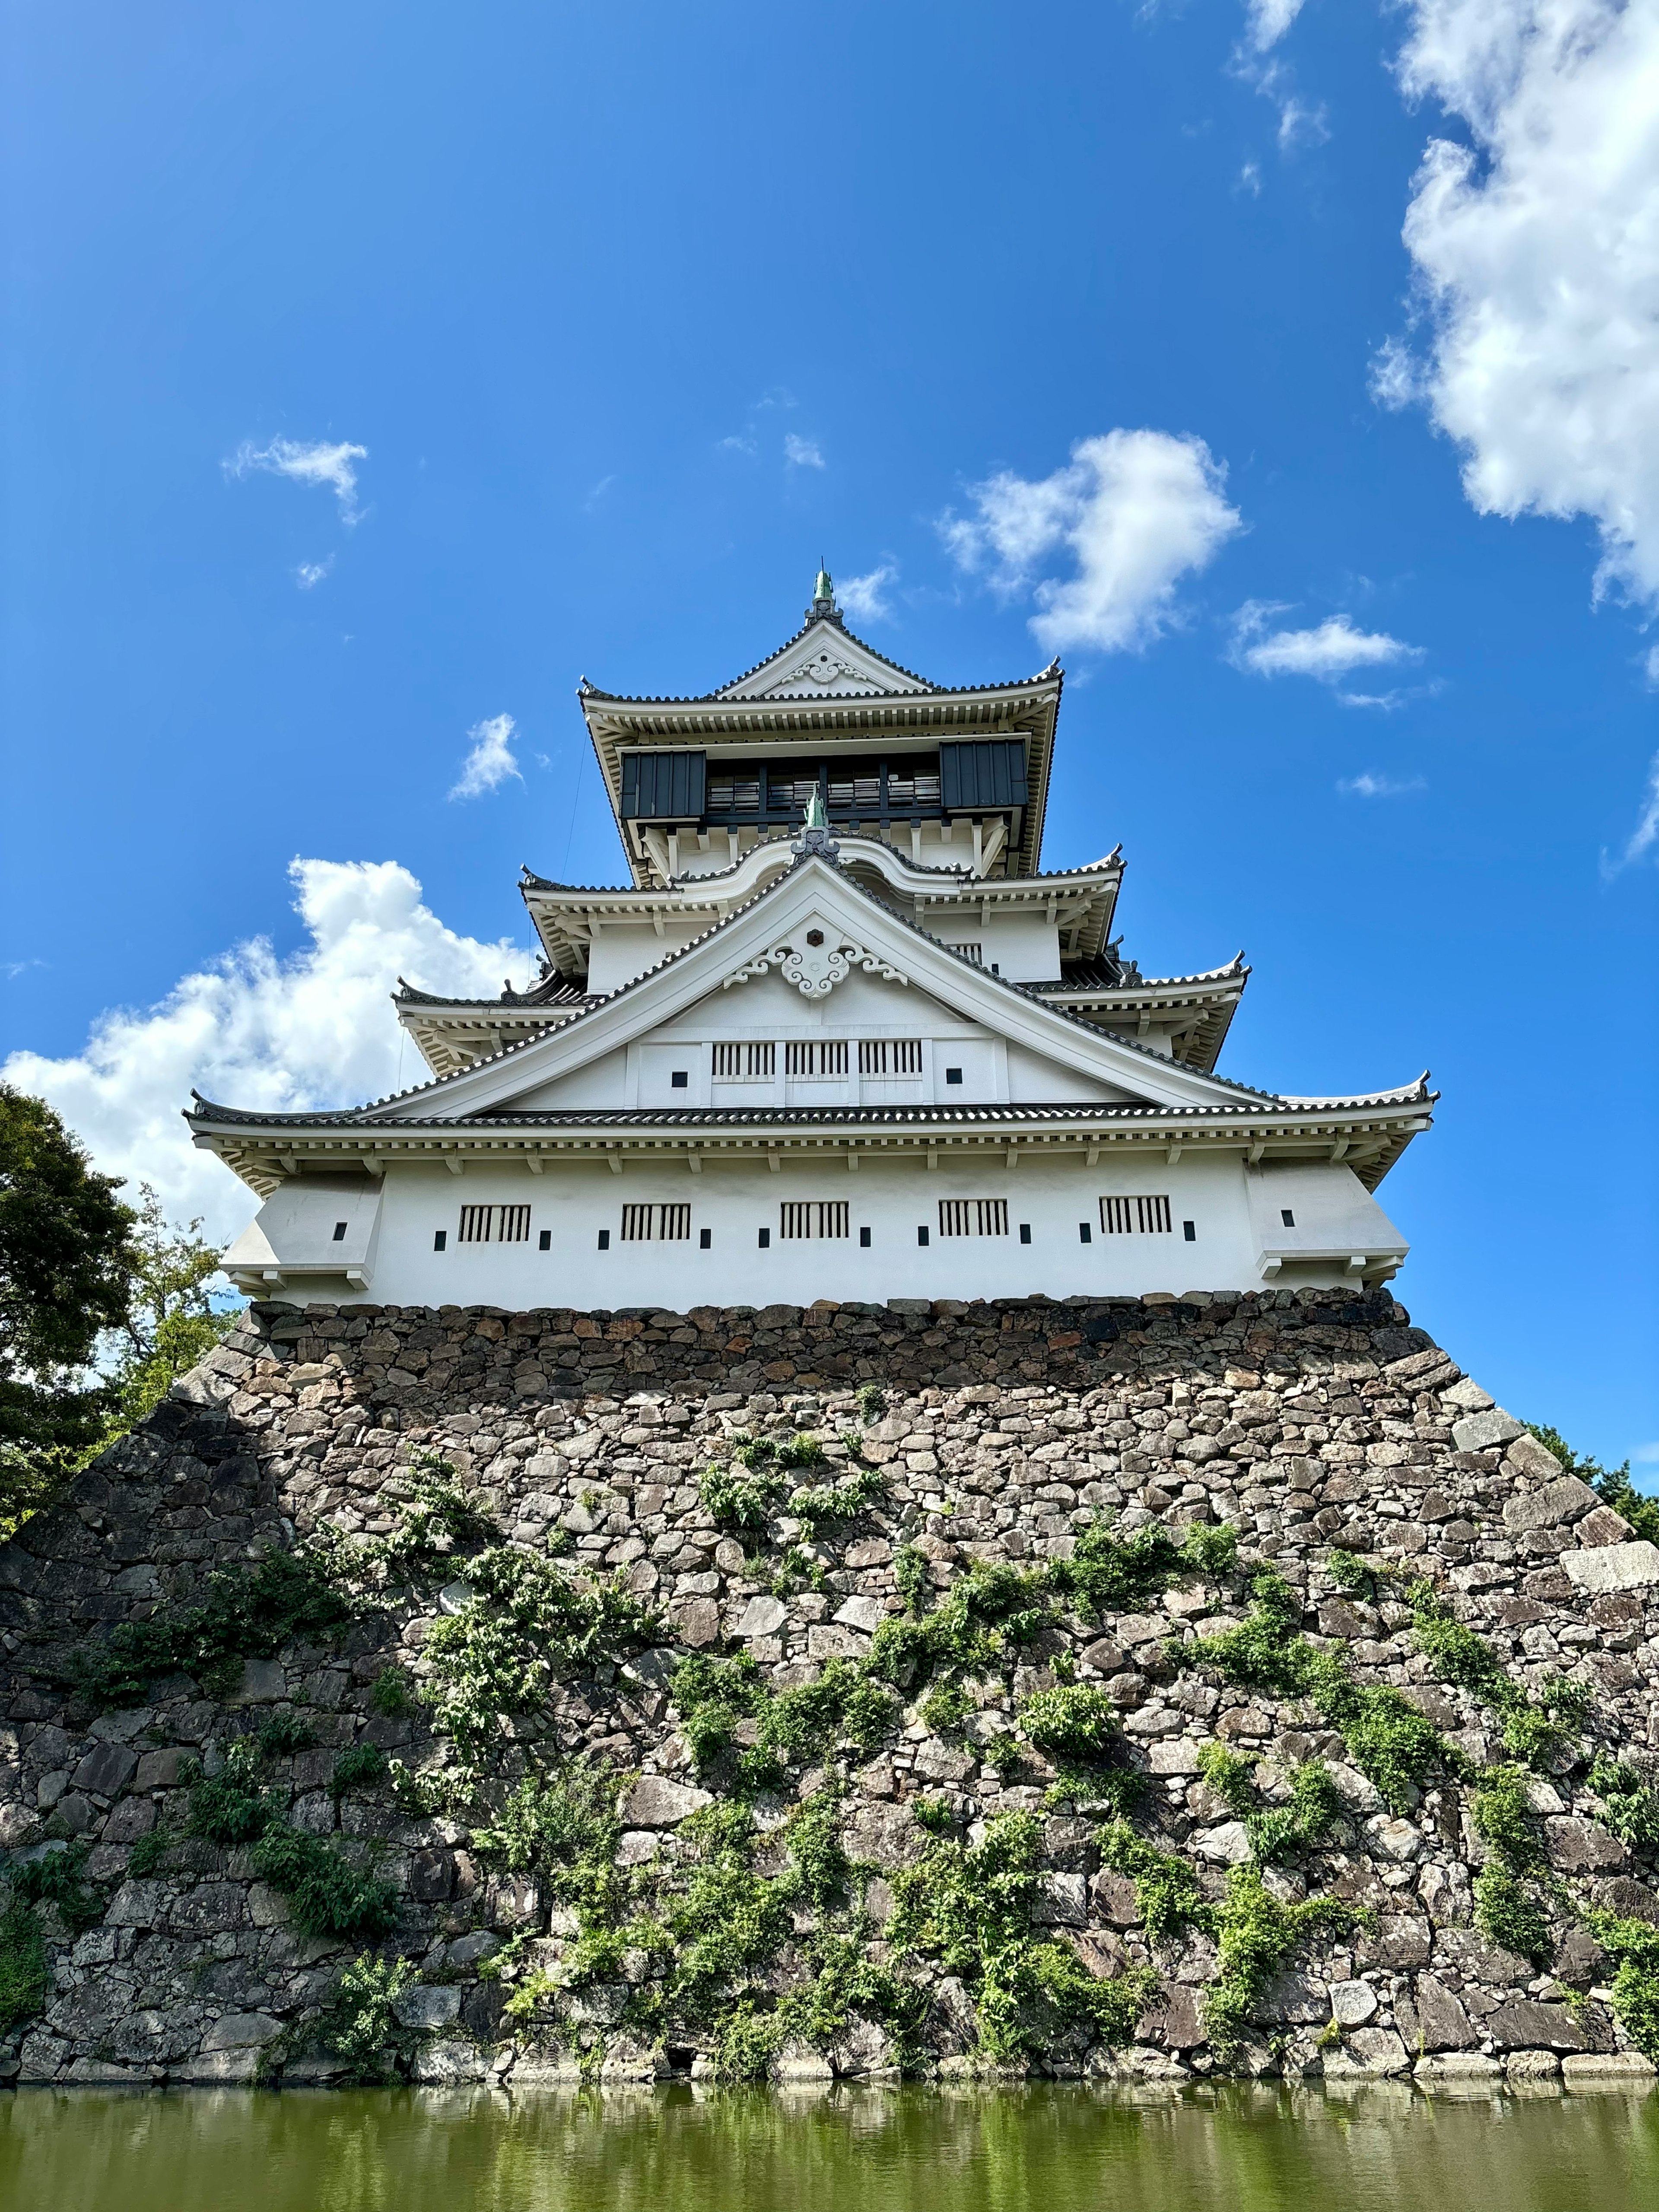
1287,1216
544,1242
339,1232
921,1236
1085,1234
953,1075
605,1240
864,1238
1025,1232
679,1078
1189,1231
705,1239
765,1238
440,1238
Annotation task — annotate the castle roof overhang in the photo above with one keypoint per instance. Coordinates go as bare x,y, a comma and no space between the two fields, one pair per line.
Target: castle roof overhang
266,1150
566,914
777,708
1203,1006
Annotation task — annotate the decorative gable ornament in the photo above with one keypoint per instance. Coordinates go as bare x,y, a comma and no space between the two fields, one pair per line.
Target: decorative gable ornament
815,963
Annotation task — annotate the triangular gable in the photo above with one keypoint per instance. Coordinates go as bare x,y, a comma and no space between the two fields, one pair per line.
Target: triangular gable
824,661
772,932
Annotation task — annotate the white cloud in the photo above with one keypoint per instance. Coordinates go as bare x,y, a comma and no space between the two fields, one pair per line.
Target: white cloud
1334,649
862,596
1645,835
1138,510
1396,376
1537,255
280,1036
491,760
801,453
1380,787
738,446
309,574
1267,21
316,464
1250,180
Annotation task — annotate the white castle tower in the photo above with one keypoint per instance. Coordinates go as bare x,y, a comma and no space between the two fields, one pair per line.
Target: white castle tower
841,1037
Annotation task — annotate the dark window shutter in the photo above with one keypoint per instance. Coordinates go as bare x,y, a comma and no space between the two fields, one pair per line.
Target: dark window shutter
663,786
989,773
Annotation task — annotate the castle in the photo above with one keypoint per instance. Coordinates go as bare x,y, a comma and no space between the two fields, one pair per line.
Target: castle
841,1037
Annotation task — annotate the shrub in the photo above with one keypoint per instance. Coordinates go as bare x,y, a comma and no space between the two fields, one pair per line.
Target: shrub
1227,1776
22,1965
1508,1913
390,1693
284,1734
1633,1946
247,1613
1073,1725
739,1502
910,1577
1167,1894
363,1767
329,1896
1503,1817
359,2026
1315,1807
58,1879
528,1626
1629,1806
1256,1936
873,1401
1107,1574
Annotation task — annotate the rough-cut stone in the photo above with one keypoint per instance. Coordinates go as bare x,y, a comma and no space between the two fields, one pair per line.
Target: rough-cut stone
1353,2004
656,1802
761,1616
1521,2025
1613,1567
1480,1432
425,2007
106,1768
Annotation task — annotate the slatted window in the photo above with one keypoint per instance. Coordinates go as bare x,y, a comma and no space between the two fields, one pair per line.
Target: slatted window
1135,1216
812,1217
494,1224
971,949
973,1217
744,1063
642,1224
890,1056
818,1060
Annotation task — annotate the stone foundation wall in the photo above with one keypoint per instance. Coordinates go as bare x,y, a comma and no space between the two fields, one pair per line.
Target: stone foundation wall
1311,1421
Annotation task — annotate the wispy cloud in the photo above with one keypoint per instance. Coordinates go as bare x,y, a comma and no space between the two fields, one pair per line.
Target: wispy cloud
863,596
597,493
802,452
491,760
1645,835
735,445
1254,62
1380,787
310,574
11,969
1266,22
1328,653
1137,509
319,464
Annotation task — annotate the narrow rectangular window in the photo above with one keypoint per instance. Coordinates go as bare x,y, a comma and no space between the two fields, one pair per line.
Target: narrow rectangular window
605,1240
642,1224
812,1217
921,1233
816,1060
440,1238
1189,1231
890,1057
1085,1234
864,1238
765,1238
1025,1232
1131,1217
744,1063
1287,1216
705,1239
494,1224
544,1242
339,1232
973,1217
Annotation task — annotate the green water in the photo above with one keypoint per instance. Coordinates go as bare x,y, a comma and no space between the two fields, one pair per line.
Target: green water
1055,2149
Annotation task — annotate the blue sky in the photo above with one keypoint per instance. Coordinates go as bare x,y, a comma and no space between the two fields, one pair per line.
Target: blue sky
635,312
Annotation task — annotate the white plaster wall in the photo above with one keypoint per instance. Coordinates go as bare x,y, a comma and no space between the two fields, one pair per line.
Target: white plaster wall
573,1201
621,952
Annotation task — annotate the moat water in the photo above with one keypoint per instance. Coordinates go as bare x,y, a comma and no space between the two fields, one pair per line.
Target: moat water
1051,2149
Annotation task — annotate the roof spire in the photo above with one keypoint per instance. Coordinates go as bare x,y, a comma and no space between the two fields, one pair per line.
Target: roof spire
823,607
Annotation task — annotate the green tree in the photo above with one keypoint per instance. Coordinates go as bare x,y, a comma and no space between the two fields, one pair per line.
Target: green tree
173,1317
65,1266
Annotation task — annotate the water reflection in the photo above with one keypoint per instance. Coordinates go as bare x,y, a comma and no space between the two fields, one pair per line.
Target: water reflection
1379,2147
